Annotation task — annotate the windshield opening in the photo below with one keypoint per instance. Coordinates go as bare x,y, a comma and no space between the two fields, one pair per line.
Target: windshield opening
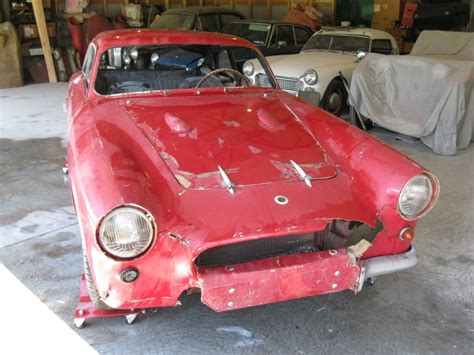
171,67
256,33
338,43
173,22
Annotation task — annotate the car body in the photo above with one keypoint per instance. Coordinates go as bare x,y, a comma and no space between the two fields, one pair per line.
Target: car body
196,18
271,37
247,194
321,58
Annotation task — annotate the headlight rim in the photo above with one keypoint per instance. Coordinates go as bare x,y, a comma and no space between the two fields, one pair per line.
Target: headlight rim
149,216
253,69
433,198
315,74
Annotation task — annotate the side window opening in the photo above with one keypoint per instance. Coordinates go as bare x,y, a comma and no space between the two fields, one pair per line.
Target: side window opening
209,23
88,62
302,36
285,35
382,46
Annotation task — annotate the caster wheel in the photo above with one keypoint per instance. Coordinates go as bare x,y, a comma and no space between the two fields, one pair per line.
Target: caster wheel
371,281
79,322
130,318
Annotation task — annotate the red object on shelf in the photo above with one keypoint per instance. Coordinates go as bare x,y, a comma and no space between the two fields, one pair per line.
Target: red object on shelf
77,37
408,13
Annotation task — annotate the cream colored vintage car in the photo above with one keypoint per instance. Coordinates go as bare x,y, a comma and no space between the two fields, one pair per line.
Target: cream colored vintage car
313,74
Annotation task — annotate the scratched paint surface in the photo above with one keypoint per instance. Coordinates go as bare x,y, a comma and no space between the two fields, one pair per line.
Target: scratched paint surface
427,309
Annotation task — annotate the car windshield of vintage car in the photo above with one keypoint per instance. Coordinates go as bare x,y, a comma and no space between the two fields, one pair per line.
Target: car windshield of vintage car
174,22
171,67
256,33
338,43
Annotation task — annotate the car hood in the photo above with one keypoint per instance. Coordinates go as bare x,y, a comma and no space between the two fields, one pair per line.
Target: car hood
295,65
252,137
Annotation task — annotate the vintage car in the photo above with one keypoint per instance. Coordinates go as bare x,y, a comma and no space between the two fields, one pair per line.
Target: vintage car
187,177
313,74
196,18
271,37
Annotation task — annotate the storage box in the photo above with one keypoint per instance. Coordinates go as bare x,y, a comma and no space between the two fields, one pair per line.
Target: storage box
386,10
31,31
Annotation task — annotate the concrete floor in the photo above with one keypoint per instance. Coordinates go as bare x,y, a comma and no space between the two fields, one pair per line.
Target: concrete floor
426,309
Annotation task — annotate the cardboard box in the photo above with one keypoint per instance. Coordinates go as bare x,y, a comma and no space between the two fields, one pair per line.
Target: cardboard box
386,10
31,31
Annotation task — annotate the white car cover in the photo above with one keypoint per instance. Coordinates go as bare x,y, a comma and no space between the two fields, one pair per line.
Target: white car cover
427,94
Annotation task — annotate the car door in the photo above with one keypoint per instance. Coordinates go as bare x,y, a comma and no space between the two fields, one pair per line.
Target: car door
208,23
282,40
382,46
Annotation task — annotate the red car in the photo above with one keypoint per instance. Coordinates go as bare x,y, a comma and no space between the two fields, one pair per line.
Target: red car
188,176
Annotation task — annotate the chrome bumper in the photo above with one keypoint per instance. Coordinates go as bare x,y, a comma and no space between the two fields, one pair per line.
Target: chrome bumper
382,265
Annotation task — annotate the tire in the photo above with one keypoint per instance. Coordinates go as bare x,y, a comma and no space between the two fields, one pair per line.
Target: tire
91,289
335,98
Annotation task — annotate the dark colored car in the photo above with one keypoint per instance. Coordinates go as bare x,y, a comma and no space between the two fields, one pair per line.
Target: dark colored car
271,37
197,18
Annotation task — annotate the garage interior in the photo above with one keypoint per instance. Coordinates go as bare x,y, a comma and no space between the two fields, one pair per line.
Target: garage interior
428,308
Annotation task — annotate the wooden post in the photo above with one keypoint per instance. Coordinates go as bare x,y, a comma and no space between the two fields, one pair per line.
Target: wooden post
104,5
44,38
269,9
232,4
289,4
184,3
167,4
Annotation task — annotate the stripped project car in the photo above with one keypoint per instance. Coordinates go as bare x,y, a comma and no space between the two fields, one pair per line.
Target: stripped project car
186,177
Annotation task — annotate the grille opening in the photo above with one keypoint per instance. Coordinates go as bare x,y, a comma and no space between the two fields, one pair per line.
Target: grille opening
290,84
337,234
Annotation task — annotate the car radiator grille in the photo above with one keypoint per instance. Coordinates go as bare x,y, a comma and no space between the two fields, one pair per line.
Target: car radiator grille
258,249
290,84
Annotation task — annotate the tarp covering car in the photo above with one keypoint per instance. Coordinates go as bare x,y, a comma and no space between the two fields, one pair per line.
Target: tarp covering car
427,94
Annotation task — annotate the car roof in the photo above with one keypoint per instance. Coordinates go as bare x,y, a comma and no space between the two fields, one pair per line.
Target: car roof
203,10
270,22
137,37
370,32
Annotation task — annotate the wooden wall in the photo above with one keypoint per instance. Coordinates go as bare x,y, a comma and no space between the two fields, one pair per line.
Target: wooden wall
254,9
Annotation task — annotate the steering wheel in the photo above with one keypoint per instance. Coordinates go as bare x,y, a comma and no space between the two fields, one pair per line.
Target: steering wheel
243,78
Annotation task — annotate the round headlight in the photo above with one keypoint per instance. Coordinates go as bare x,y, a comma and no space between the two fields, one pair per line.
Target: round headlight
126,232
248,69
416,197
310,77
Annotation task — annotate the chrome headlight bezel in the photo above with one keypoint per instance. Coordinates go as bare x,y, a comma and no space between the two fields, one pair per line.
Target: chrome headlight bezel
429,200
310,77
133,252
248,69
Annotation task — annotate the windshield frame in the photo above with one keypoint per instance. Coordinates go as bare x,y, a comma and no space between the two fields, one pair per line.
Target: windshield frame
336,35
262,61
